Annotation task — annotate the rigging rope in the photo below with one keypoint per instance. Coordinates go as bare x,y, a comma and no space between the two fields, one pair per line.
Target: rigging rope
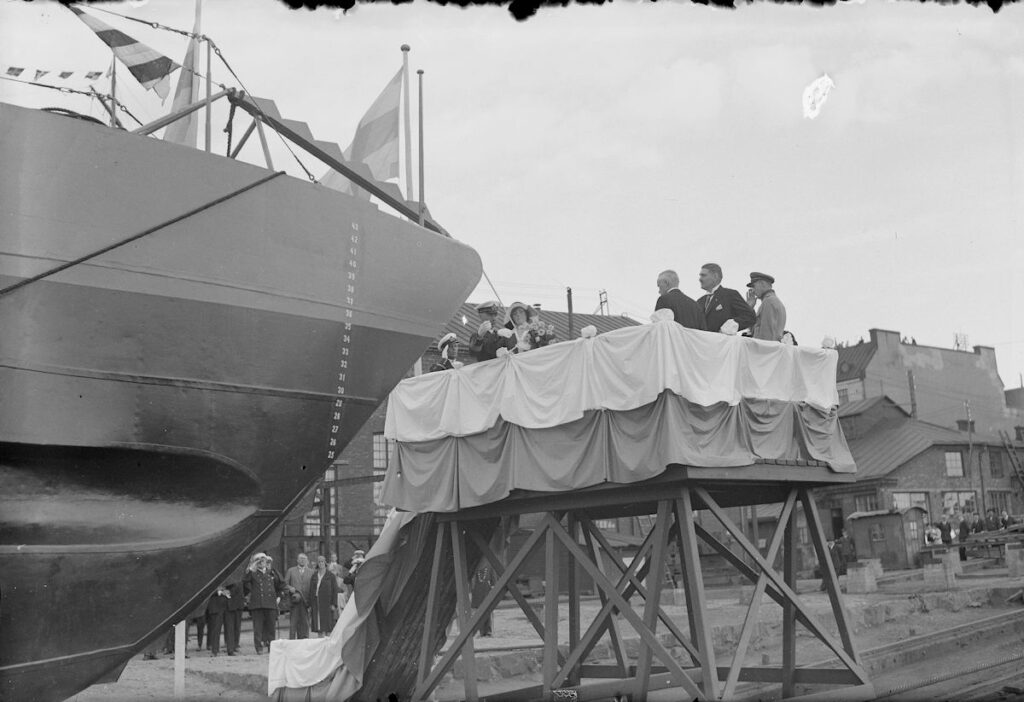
136,237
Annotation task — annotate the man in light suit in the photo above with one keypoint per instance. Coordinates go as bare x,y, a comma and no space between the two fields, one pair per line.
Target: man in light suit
771,315
684,309
722,304
297,579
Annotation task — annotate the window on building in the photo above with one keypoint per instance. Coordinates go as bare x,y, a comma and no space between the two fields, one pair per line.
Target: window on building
963,501
903,500
802,535
999,500
607,524
311,519
866,502
995,464
844,396
954,464
380,452
914,531
382,449
1020,433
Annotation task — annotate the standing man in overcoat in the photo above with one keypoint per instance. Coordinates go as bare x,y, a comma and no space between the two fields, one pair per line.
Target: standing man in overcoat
684,308
296,579
771,315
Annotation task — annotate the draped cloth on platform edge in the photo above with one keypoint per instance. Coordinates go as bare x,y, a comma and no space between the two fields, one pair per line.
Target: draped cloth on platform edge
303,663
453,473
619,370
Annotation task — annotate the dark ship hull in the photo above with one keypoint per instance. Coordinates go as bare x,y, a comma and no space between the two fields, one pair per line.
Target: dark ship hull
164,405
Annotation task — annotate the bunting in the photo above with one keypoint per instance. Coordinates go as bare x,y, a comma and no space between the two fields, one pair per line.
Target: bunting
375,143
150,68
24,72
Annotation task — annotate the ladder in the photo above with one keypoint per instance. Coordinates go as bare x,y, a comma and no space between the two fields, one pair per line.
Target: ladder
1015,460
645,523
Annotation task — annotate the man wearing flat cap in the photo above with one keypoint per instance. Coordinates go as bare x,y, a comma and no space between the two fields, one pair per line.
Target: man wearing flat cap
771,315
485,341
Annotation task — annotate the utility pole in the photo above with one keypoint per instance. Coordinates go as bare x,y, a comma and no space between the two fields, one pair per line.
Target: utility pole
913,394
970,456
568,296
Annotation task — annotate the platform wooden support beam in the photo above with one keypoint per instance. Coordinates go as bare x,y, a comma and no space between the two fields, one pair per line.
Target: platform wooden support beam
753,609
612,626
569,532
462,606
636,587
696,605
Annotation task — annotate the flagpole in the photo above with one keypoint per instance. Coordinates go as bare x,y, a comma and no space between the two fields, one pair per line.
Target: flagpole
423,206
209,52
408,127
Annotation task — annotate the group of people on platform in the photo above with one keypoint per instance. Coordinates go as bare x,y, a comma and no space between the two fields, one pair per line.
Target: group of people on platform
522,331
720,309
723,309
313,597
961,526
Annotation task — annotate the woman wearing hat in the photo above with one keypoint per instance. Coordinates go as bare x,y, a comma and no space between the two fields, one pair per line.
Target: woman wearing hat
528,331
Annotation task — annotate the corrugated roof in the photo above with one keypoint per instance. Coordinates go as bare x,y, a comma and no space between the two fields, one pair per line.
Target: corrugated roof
853,360
559,320
888,446
851,409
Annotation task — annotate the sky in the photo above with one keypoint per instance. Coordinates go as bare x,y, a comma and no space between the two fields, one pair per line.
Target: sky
593,147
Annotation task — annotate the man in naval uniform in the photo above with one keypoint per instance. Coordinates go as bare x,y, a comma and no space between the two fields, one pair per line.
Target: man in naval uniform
486,340
722,304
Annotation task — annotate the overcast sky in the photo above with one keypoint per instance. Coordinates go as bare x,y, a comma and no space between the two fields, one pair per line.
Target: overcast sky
593,147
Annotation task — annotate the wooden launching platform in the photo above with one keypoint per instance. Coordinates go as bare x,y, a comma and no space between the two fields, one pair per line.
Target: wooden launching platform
567,530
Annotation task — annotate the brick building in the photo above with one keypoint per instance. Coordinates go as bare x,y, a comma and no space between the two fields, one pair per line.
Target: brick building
903,462
342,512
940,381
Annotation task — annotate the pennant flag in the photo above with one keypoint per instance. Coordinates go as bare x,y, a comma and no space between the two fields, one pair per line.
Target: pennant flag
14,71
816,94
65,74
40,74
150,68
376,140
94,75
184,130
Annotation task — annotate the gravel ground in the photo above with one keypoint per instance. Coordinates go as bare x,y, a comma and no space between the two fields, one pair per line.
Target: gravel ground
243,677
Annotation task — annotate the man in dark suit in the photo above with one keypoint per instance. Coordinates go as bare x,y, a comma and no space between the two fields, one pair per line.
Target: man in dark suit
721,304
684,309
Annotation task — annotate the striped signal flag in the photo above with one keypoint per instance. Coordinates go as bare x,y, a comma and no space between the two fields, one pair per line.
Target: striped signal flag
375,143
150,68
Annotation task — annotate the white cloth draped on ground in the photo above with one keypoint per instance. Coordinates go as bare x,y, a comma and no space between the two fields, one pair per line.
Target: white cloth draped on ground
619,370
620,407
303,663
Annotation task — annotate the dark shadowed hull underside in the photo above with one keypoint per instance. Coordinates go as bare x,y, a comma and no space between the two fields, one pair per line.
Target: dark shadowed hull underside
163,405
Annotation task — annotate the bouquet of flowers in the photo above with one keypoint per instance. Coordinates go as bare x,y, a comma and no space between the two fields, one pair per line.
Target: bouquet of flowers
540,334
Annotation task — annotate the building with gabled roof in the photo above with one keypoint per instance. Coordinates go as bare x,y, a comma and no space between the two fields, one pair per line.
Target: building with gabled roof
903,461
937,385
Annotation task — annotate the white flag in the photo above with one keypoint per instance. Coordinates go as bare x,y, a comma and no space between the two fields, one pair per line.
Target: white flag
815,95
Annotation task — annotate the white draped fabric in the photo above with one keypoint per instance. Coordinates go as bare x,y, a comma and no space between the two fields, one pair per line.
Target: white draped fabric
302,663
619,370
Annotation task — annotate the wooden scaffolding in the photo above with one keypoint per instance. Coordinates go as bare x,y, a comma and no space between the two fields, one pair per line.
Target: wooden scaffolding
567,527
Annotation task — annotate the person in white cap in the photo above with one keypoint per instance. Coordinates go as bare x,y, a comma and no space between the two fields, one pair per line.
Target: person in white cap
262,586
448,345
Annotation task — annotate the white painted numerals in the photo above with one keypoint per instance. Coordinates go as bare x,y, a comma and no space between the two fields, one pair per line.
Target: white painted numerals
345,347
